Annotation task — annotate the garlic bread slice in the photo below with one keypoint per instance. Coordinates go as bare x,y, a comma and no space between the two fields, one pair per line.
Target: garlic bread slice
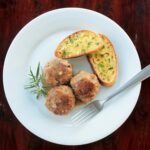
79,43
104,62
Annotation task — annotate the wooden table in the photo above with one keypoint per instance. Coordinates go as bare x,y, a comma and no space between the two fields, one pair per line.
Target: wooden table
134,17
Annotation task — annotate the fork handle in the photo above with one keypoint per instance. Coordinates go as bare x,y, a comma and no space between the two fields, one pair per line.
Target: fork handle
139,77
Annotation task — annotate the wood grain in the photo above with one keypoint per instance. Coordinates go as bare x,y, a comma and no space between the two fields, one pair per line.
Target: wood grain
134,17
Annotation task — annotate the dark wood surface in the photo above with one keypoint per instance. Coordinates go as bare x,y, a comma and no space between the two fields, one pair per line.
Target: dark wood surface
134,17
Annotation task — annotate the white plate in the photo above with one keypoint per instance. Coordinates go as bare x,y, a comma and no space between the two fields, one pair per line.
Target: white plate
37,42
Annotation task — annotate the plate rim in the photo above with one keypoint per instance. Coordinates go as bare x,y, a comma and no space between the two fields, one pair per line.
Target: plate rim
28,24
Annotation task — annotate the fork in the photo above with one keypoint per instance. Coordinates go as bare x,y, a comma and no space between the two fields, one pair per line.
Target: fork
92,109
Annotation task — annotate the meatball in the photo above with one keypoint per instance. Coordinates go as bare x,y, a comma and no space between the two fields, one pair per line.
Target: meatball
60,100
57,72
85,86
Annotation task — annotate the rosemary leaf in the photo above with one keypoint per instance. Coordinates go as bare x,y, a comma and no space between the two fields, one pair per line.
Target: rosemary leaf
38,71
32,75
38,95
43,92
29,86
37,84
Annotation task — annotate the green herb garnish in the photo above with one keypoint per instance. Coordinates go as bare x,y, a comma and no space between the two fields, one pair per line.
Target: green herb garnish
77,45
36,84
101,65
96,55
89,43
64,53
71,40
103,47
110,68
83,50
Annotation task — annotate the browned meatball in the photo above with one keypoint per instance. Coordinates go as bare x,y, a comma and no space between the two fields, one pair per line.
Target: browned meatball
57,72
60,100
85,86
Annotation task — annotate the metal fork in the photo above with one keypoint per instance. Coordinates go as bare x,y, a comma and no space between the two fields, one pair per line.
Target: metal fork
92,109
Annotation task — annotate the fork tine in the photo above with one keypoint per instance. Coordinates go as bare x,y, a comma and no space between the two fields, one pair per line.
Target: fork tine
81,112
76,114
85,116
81,115
84,120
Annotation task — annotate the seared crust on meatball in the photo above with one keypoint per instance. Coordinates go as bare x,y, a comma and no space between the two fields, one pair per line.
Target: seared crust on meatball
57,72
60,100
85,86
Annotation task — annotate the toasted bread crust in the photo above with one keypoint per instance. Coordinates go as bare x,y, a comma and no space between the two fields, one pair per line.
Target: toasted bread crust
58,52
104,83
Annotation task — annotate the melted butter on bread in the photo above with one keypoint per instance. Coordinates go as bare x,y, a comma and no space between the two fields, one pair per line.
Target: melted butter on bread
104,62
78,44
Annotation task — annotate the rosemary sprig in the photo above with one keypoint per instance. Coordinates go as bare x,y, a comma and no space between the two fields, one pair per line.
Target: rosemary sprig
37,84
